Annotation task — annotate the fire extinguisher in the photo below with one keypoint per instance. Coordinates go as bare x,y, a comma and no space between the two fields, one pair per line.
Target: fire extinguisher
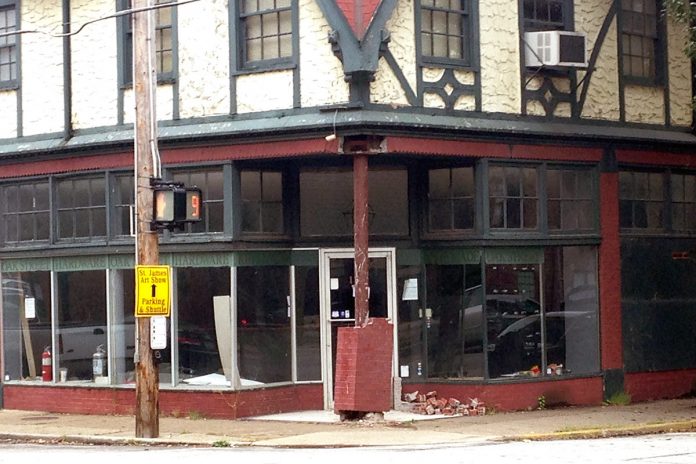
46,365
99,366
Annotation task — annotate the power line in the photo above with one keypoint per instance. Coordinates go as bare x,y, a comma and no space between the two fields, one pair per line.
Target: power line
118,14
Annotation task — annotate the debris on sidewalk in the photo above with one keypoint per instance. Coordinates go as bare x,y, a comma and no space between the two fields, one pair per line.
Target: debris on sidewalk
430,403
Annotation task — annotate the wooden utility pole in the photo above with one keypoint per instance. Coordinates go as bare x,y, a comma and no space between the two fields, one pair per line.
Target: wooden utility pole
147,241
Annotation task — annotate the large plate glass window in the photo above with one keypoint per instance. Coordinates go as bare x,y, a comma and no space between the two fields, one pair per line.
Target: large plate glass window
26,323
263,325
203,325
82,324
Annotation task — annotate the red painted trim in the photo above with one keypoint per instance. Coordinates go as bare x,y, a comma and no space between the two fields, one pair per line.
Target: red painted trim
523,395
265,150
219,405
647,386
469,148
611,338
685,160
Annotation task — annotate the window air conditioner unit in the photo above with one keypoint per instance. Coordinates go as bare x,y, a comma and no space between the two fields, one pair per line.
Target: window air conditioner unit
555,48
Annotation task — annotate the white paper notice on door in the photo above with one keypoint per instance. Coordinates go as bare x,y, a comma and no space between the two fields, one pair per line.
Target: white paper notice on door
334,283
410,292
30,308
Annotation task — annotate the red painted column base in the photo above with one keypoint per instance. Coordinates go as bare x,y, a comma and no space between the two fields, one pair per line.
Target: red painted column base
363,380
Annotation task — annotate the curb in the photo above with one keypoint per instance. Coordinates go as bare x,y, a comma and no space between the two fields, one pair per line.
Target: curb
609,432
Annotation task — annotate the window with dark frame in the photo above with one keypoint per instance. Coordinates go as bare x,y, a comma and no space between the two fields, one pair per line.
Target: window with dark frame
451,199
211,183
545,15
639,39
445,31
266,32
8,45
571,202
25,212
124,206
513,197
641,200
81,208
683,198
164,43
262,201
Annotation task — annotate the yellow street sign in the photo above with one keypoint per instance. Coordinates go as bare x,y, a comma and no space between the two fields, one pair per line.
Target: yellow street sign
152,291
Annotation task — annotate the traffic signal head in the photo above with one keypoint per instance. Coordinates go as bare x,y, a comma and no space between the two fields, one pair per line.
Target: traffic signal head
175,205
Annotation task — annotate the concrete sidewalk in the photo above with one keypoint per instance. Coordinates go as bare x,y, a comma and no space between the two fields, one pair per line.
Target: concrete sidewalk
322,429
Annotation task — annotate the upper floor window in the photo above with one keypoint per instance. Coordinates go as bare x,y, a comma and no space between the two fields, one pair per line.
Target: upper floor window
164,43
641,200
546,15
8,44
266,32
513,197
25,212
445,31
211,183
81,207
451,199
639,39
262,201
571,199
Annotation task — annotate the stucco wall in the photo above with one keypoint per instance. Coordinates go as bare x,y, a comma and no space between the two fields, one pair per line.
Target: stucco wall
386,88
42,68
603,92
203,34
265,91
321,73
680,96
8,115
164,99
644,104
500,56
94,65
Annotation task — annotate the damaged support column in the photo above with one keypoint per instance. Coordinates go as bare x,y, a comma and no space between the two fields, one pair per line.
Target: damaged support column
363,382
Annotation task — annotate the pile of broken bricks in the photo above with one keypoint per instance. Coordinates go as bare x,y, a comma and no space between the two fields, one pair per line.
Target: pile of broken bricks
431,404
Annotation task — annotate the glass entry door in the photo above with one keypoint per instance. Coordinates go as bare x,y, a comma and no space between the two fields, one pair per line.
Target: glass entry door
338,300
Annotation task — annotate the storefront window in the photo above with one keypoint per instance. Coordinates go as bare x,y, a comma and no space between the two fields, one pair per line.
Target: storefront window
262,201
204,325
211,183
571,343
26,323
513,317
81,321
25,212
81,208
451,199
122,293
408,292
454,321
307,323
513,197
263,325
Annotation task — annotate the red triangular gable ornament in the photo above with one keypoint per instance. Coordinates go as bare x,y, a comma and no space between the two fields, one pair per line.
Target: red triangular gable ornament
359,13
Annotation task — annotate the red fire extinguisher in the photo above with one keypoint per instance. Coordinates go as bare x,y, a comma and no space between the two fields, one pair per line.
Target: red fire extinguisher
46,365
